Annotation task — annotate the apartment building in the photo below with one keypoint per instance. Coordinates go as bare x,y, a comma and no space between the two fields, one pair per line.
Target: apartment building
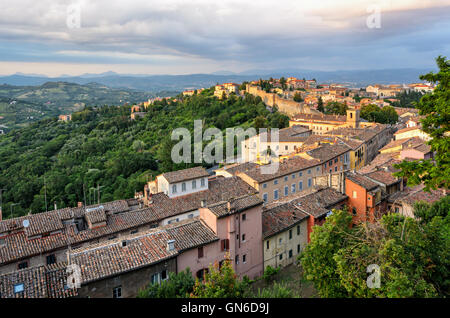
292,175
285,230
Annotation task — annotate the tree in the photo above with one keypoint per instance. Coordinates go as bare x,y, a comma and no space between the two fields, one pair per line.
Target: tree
436,107
177,286
412,255
298,98
320,107
220,283
336,108
317,259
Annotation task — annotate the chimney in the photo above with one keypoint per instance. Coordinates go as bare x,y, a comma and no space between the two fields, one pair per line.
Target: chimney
80,204
171,245
1,214
229,206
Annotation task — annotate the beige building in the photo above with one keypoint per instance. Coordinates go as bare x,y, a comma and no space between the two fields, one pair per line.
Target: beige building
289,139
410,132
321,124
285,234
293,175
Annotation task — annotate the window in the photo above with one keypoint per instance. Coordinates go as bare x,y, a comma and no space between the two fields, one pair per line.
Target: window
225,245
183,187
194,184
51,259
293,176
286,190
317,169
331,170
286,178
23,265
309,171
325,165
293,188
300,174
267,245
281,257
290,253
300,186
275,194
309,183
200,252
354,195
298,229
134,231
202,182
280,240
117,292
243,237
264,185
275,181
190,216
18,288
290,234
354,211
155,278
298,248
174,188
286,147
244,258
244,217
164,274
236,259
265,197
335,169
335,160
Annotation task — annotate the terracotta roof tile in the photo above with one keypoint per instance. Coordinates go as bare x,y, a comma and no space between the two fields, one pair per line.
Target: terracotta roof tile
185,174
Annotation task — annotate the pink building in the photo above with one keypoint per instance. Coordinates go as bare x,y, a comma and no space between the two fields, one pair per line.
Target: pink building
418,152
238,225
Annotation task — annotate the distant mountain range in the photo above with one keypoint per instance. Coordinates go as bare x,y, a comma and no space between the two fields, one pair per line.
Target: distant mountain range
156,83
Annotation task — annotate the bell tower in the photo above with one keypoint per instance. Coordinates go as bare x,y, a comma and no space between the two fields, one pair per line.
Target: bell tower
353,118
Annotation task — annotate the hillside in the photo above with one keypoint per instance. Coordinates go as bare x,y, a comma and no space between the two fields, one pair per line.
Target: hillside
102,146
20,105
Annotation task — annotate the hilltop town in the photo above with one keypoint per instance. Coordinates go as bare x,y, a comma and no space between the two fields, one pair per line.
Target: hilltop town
329,159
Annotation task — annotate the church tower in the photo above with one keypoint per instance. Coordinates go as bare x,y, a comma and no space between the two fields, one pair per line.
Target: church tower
353,118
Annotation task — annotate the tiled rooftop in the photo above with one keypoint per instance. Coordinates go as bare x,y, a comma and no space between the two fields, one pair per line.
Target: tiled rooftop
327,152
286,167
185,174
361,180
143,249
280,218
38,282
383,176
236,205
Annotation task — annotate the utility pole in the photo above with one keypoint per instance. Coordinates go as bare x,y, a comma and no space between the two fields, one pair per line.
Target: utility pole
11,206
45,195
1,200
84,194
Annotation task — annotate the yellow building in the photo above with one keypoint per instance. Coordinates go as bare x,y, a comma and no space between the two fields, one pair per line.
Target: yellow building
285,234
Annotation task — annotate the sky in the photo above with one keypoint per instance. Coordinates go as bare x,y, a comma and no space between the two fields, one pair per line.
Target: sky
72,37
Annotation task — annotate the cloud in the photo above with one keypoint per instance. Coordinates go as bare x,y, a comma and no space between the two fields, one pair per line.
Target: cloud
228,33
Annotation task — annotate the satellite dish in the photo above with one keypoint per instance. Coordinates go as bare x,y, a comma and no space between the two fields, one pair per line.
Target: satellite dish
26,223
